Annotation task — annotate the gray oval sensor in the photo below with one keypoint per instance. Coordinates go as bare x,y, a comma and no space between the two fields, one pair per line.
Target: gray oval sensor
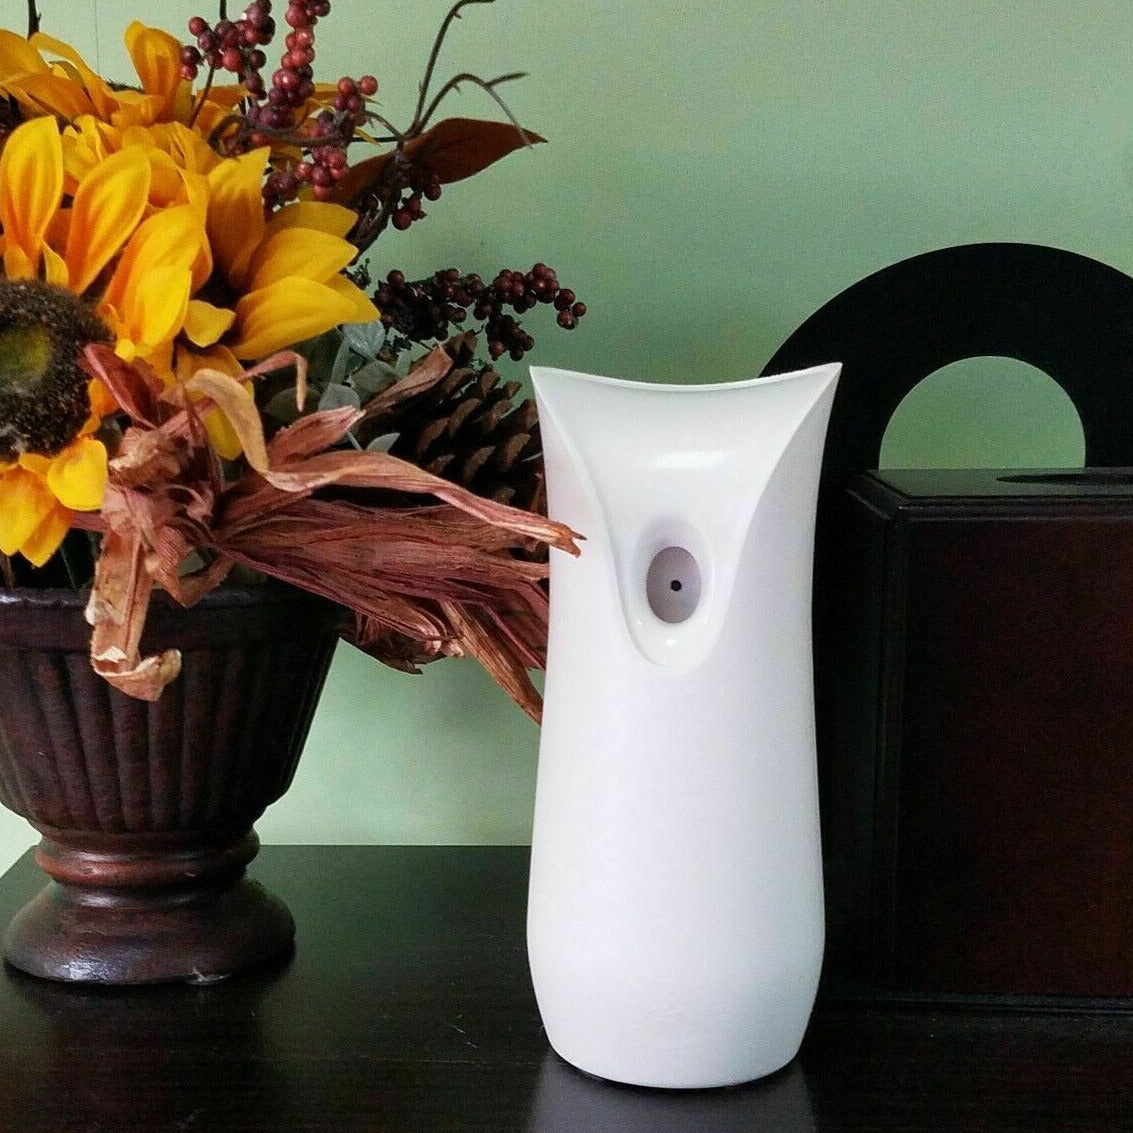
673,584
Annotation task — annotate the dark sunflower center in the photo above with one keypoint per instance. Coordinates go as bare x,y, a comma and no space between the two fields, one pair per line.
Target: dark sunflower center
25,352
43,389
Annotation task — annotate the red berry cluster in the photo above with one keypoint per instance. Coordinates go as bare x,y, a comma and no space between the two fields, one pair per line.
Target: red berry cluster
349,95
322,168
539,285
236,46
422,311
422,183
232,45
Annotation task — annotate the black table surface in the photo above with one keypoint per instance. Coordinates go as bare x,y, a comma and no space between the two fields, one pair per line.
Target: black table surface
407,1007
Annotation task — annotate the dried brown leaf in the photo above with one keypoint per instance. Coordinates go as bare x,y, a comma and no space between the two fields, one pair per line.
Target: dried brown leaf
229,396
442,575
457,148
117,612
310,434
397,650
148,678
497,655
133,385
380,470
453,149
191,588
363,178
147,456
430,370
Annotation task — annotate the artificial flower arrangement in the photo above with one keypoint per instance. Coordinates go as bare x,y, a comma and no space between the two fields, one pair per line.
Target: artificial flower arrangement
197,375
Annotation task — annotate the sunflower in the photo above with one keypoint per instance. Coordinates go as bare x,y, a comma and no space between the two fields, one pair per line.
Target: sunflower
139,265
277,281
171,248
243,284
49,77
50,465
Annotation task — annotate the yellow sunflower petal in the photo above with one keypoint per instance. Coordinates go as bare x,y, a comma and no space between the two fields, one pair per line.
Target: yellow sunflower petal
155,306
196,195
25,503
227,95
219,105
322,216
35,462
31,184
52,95
188,362
156,56
17,56
86,142
287,312
195,187
210,117
222,436
191,152
236,213
77,476
204,323
135,134
44,541
167,182
108,204
135,109
160,360
300,252
172,187
17,264
171,238
364,309
55,267
102,401
101,96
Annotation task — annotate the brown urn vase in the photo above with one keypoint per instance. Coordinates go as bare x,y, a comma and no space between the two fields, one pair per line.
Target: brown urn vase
146,810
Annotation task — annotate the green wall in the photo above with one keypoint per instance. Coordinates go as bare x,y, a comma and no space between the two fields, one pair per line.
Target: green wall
715,173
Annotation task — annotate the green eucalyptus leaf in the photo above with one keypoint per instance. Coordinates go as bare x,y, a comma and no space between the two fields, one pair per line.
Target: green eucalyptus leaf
383,443
342,360
373,377
282,407
321,352
366,339
338,396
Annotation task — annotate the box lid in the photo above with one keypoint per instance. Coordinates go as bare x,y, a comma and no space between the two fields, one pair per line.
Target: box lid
1017,484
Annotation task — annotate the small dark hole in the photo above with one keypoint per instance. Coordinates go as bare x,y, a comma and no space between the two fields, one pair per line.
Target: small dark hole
675,584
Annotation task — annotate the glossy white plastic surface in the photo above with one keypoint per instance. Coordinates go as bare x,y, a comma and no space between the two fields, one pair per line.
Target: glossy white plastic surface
675,919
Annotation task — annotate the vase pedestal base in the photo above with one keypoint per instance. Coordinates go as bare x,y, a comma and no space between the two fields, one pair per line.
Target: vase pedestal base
116,914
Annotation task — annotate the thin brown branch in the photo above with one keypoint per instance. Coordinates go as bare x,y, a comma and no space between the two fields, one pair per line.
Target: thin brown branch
488,85
438,43
33,19
395,134
284,135
292,138
375,217
200,103
7,573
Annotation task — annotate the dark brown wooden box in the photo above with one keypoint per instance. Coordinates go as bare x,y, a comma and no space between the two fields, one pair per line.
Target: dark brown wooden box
976,728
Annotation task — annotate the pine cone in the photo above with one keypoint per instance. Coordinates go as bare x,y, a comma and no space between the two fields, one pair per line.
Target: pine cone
467,429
